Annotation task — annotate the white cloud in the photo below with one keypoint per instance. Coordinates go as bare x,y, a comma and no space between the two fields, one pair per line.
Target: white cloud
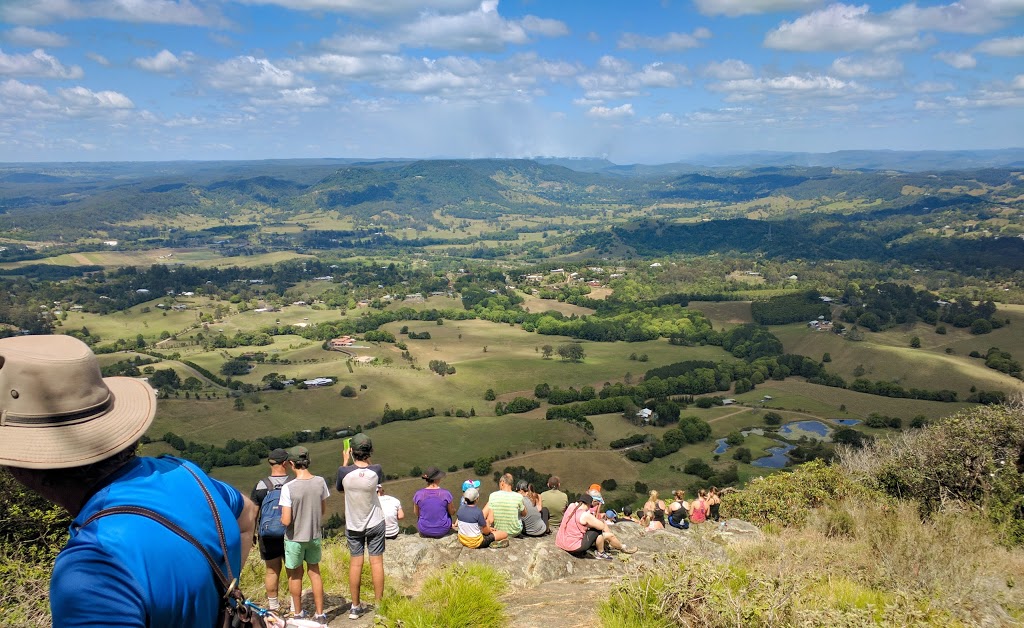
987,99
182,12
1002,47
733,8
611,113
666,43
30,37
933,87
361,44
546,27
1018,81
163,62
81,100
98,58
350,66
848,27
616,78
728,69
848,67
482,29
388,7
16,91
958,60
249,75
802,85
302,97
37,63
728,115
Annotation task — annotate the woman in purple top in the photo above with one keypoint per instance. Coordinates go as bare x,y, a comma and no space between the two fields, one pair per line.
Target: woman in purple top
433,506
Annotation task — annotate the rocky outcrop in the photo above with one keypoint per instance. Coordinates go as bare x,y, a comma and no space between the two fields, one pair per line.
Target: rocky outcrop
531,562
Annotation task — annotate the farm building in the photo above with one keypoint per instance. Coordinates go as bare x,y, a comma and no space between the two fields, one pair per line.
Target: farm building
344,341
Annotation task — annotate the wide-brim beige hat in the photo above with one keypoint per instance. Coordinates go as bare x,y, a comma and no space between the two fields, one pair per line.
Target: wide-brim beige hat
58,411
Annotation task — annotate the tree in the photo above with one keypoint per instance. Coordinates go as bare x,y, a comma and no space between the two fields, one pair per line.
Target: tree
772,418
235,366
164,378
546,351
572,352
239,404
915,342
827,357
348,391
489,395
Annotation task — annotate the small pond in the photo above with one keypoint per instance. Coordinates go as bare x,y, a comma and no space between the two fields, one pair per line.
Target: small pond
795,428
847,421
722,446
778,457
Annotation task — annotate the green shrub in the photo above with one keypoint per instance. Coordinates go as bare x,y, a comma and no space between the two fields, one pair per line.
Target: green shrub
786,498
971,457
458,595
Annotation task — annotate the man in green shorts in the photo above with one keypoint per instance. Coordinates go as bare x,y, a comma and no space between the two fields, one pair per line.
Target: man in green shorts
303,505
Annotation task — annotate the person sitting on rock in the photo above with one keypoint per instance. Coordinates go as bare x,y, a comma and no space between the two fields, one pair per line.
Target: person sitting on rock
652,503
714,504
535,521
555,501
679,511
505,507
657,520
474,531
433,506
626,516
580,530
699,507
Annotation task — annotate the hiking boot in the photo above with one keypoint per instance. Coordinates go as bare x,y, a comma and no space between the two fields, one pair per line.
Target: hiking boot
629,550
358,611
602,556
500,544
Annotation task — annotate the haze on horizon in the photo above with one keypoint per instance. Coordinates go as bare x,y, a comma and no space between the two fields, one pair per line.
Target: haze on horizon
656,82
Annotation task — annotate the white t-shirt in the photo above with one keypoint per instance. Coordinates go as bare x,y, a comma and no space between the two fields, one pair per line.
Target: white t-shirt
390,506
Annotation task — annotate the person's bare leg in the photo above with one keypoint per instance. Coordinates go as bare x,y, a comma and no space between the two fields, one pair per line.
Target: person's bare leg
355,574
272,580
612,540
295,588
377,575
600,543
499,535
317,583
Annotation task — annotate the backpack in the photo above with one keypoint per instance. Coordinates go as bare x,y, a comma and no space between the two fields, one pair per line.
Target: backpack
270,526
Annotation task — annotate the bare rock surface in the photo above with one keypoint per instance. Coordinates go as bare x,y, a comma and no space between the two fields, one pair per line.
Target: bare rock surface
547,586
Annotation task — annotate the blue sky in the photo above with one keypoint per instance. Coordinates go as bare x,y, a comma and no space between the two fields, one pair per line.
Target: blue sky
631,80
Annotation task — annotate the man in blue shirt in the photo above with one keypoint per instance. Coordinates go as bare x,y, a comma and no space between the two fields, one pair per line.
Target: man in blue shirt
71,435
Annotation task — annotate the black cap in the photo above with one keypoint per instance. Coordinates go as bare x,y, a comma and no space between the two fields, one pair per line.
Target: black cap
277,456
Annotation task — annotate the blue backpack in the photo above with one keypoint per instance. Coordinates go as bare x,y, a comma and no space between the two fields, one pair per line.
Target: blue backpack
270,512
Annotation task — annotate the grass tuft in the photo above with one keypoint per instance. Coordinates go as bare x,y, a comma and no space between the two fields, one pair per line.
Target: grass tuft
456,596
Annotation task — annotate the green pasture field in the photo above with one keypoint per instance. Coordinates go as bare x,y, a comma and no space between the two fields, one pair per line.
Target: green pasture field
513,362
536,304
824,402
724,314
888,356
428,303
129,323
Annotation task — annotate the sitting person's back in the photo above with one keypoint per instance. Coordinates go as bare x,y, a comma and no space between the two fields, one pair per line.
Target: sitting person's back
505,507
433,506
678,512
474,531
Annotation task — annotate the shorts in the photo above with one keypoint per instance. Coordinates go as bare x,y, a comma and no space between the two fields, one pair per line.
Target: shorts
488,539
271,547
371,540
297,552
589,538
